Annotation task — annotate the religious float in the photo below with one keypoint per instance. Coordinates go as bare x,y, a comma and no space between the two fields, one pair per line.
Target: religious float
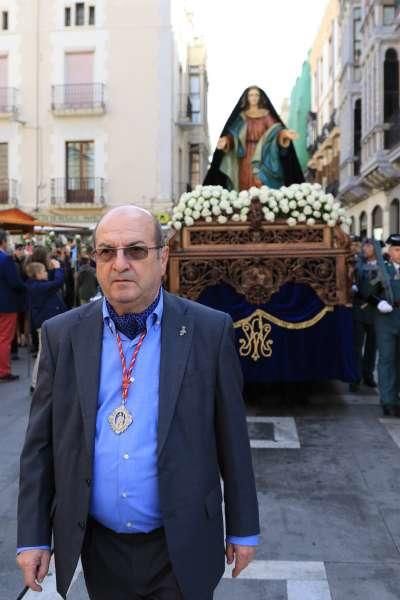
261,244
278,262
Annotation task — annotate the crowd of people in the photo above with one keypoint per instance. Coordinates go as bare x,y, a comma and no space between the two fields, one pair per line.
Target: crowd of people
37,283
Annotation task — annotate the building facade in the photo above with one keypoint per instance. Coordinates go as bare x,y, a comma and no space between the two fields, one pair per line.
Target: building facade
370,115
102,102
323,136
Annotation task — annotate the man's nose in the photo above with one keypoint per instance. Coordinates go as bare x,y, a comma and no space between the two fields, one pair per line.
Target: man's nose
120,262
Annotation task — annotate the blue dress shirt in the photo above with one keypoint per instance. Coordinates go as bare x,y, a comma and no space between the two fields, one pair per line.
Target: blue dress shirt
125,494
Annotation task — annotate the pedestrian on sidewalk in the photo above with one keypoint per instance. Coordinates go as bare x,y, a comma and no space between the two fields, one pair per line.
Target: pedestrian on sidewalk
86,281
40,254
12,292
22,330
137,414
44,299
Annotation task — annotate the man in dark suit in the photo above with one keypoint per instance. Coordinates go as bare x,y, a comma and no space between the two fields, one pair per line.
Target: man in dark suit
137,414
12,292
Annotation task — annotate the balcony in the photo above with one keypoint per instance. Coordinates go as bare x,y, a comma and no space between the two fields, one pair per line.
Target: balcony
190,112
77,190
78,99
8,102
8,192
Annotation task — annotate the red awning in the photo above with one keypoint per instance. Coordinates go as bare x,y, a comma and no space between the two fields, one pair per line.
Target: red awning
14,219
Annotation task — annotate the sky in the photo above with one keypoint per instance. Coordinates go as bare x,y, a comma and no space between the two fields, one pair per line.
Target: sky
254,42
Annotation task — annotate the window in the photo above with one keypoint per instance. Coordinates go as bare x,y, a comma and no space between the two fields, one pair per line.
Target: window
311,131
79,67
92,15
391,83
394,216
357,137
194,95
391,107
194,165
67,16
80,13
363,225
352,226
4,20
79,90
316,88
331,55
357,38
377,223
389,13
321,76
80,182
5,96
3,173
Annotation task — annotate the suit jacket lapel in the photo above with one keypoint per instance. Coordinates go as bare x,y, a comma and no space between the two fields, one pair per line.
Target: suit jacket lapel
176,339
86,339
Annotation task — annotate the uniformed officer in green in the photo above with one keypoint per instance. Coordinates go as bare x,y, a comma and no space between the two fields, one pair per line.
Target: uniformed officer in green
386,297
365,271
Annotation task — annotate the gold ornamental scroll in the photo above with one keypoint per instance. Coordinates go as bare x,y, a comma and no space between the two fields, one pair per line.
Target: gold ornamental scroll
256,328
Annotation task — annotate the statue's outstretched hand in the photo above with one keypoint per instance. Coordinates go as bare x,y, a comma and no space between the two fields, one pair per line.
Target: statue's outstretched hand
286,136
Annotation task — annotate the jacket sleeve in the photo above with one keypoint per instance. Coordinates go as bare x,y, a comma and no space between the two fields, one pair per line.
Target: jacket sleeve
36,492
241,505
12,276
55,283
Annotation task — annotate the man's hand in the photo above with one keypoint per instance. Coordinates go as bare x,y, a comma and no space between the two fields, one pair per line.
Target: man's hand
242,555
34,565
55,264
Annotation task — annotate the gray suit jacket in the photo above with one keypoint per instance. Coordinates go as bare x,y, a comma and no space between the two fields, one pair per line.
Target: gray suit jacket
202,434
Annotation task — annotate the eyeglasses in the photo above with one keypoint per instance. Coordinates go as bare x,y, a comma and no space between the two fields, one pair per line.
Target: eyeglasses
134,252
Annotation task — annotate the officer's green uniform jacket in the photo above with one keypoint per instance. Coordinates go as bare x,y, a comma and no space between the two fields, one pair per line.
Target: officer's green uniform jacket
375,291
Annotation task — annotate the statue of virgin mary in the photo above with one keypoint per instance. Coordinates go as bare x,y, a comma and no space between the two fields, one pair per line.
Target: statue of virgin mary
255,148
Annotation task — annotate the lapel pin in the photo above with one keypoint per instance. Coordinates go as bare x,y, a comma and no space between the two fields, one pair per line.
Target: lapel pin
183,330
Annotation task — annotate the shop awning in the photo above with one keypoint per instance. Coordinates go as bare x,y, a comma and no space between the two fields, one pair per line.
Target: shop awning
14,219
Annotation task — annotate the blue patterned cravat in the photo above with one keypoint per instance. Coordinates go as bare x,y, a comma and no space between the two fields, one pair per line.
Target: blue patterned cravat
132,324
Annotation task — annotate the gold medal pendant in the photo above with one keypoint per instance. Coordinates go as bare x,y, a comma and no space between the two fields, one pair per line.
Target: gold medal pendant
120,419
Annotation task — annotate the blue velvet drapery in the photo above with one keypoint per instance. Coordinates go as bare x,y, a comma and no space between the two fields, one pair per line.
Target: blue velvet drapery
322,351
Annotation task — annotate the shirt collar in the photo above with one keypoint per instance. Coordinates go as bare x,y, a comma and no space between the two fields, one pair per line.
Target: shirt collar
154,318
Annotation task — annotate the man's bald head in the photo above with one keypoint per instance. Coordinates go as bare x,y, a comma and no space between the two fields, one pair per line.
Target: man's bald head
130,281
128,213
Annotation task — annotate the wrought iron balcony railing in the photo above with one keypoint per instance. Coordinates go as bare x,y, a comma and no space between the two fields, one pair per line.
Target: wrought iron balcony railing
78,97
8,100
77,190
8,191
392,133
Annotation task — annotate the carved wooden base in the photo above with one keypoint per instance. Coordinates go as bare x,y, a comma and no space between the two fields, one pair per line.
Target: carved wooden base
256,262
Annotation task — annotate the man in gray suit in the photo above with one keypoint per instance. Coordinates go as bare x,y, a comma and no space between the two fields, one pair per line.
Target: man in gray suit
137,414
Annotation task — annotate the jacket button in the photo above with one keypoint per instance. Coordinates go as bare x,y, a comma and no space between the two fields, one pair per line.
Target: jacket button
89,482
82,524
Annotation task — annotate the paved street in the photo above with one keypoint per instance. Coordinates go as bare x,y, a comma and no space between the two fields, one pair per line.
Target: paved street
328,478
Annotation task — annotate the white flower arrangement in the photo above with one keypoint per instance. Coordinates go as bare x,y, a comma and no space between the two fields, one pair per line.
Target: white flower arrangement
304,203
